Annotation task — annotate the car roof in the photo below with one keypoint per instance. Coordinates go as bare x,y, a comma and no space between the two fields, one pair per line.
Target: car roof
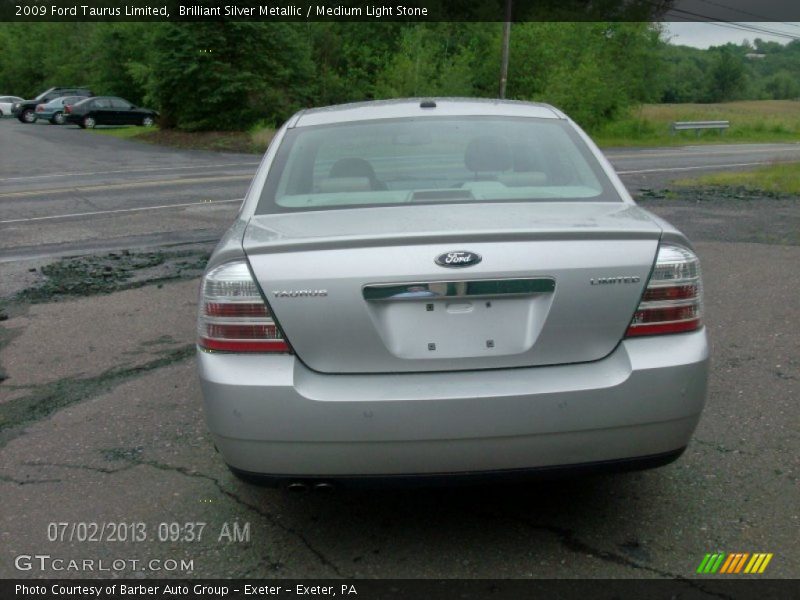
64,98
412,107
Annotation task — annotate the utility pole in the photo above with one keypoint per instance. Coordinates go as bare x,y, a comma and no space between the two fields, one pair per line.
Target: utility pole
506,39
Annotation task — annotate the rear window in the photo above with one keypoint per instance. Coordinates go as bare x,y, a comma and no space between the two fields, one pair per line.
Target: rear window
432,161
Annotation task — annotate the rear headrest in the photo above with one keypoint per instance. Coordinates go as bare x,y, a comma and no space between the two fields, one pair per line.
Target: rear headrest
523,179
525,159
488,153
352,167
333,185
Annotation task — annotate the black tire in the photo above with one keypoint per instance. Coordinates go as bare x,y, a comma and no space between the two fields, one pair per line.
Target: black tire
58,118
88,123
27,116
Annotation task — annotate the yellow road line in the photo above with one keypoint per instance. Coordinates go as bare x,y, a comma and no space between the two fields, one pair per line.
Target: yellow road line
122,186
119,210
143,169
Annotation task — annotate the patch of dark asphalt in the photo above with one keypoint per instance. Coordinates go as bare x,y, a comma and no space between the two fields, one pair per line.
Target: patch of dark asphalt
44,400
91,275
5,338
727,213
111,272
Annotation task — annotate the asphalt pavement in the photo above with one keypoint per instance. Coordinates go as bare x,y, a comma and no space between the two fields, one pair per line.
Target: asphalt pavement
101,422
65,190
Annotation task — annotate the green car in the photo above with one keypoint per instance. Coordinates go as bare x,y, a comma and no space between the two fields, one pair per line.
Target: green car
53,111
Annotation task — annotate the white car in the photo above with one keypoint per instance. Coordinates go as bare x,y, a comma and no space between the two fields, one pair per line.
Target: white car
6,103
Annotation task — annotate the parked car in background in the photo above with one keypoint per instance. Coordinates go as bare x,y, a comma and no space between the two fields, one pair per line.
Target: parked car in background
54,110
25,110
109,110
451,287
7,104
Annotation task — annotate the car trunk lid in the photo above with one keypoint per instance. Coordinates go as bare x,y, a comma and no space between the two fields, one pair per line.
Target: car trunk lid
360,291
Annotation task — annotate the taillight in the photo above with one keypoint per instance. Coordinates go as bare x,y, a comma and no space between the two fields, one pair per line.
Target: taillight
67,108
673,300
233,316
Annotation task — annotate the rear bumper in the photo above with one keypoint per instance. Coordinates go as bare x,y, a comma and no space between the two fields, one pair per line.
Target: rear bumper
271,415
463,478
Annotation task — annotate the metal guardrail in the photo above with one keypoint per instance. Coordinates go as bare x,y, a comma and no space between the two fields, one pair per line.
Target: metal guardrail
698,126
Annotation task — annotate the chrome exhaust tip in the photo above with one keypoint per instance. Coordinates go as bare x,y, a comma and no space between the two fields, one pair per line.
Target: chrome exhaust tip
297,487
324,487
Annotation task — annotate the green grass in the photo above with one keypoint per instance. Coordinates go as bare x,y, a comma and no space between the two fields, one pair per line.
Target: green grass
648,125
123,132
751,121
254,141
783,178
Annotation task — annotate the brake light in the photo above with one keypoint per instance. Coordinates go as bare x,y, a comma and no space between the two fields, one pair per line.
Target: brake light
233,317
67,108
673,300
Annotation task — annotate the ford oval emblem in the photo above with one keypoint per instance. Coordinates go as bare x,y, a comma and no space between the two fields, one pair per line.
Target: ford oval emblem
458,258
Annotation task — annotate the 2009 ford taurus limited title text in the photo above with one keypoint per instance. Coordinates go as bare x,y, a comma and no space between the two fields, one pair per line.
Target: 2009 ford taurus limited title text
446,289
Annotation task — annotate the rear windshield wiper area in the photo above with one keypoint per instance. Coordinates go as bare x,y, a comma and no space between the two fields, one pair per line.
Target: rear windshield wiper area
441,195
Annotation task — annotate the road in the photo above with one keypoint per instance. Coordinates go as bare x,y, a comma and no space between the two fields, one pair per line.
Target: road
100,418
63,190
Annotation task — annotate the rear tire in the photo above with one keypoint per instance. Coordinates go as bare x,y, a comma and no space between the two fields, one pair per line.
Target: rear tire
88,123
58,119
27,116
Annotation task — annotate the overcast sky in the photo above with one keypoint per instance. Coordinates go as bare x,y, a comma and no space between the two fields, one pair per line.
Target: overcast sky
703,35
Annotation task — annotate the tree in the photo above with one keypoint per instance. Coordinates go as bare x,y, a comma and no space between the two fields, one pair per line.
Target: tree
782,86
438,59
727,75
594,71
215,75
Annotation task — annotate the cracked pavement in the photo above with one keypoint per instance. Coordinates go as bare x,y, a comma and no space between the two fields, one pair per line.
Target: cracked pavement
101,421
125,442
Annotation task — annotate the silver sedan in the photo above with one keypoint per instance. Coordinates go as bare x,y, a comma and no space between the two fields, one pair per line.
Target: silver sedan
446,289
